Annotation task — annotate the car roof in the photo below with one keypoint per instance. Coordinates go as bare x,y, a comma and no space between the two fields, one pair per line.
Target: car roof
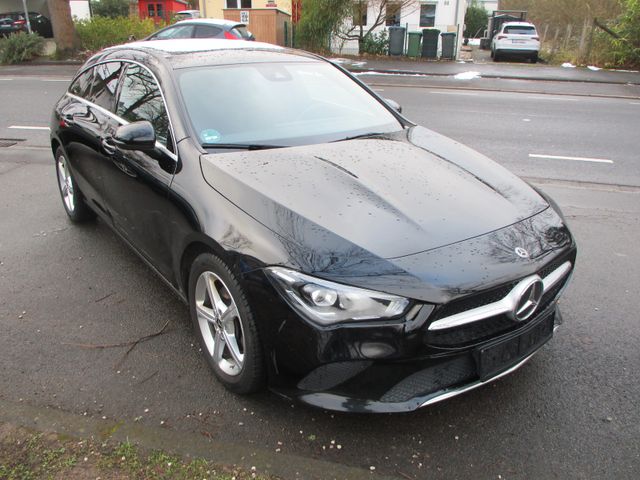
211,21
186,45
518,24
191,52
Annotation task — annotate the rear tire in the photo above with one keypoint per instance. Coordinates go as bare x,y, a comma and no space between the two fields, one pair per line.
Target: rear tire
534,58
72,198
224,323
496,56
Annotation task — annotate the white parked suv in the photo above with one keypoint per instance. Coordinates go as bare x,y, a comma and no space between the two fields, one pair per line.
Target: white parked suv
516,38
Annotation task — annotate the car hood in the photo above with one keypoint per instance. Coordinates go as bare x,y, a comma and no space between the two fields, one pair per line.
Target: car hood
391,197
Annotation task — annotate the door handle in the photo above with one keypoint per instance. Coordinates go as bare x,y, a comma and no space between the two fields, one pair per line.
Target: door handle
108,146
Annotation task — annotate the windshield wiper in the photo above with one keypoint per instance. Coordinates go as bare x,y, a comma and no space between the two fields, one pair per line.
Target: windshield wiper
363,135
241,146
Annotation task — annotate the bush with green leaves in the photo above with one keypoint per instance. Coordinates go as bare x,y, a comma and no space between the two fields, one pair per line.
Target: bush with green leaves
110,8
319,20
100,32
627,46
475,20
376,43
19,47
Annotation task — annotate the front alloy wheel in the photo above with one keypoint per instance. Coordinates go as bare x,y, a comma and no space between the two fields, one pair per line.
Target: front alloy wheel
220,323
224,324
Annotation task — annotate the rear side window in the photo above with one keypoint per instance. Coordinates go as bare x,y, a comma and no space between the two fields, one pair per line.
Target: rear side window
179,31
140,99
82,85
240,31
520,30
105,81
207,31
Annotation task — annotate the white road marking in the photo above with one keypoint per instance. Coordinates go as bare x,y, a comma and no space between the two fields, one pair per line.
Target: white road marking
28,127
526,119
39,79
469,94
634,103
549,97
577,159
5,79
378,89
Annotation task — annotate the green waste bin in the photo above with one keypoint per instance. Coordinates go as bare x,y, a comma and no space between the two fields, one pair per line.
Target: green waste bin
430,42
448,45
413,49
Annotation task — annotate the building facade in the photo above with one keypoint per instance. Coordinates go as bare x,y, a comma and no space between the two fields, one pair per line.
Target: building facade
445,15
214,8
161,10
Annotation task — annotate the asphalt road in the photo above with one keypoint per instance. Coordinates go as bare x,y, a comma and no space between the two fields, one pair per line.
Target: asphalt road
572,412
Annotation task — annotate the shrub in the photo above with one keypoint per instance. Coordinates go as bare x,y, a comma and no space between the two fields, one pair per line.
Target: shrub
101,32
19,47
627,46
375,43
320,19
110,8
475,20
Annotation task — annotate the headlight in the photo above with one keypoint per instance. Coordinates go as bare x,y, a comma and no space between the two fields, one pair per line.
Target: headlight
328,303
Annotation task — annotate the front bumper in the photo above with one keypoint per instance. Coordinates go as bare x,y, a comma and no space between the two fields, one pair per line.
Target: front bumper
406,385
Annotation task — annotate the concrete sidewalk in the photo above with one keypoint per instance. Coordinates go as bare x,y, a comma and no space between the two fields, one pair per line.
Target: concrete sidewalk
406,66
515,71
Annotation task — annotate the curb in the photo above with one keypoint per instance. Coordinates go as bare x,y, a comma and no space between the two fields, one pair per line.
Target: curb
503,90
373,71
286,466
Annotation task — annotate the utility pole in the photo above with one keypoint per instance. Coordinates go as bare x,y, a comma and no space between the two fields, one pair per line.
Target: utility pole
26,15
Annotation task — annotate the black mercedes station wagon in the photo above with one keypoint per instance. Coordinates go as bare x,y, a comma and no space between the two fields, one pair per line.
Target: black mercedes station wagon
326,246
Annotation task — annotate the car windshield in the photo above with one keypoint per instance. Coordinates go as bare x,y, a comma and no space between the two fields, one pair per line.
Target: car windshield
520,30
281,104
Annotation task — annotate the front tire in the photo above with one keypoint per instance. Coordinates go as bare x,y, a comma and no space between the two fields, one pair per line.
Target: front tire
224,324
72,198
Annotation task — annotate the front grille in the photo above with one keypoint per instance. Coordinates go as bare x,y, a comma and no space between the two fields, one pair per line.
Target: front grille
473,301
472,333
476,332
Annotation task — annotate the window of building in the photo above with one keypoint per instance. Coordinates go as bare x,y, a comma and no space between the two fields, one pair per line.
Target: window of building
394,11
140,99
427,15
151,9
238,3
160,10
360,13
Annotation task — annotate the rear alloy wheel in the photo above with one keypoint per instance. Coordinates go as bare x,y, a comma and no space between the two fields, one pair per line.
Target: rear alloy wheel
224,325
72,198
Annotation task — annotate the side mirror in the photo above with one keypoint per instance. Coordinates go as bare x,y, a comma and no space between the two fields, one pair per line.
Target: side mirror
393,104
135,136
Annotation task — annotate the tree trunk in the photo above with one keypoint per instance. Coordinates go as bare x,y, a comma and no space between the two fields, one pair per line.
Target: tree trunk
64,32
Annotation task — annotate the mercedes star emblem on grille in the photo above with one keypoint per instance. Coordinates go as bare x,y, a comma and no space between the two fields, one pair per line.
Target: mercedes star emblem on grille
529,299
